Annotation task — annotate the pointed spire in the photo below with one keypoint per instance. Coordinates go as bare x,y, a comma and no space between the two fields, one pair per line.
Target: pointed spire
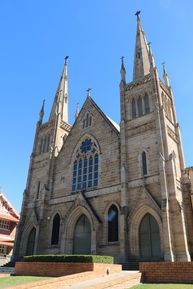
141,58
165,76
41,115
77,110
61,99
123,70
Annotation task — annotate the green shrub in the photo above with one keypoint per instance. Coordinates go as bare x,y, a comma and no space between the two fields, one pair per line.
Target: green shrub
70,259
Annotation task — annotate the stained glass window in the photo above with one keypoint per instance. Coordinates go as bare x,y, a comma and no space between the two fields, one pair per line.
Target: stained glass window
85,167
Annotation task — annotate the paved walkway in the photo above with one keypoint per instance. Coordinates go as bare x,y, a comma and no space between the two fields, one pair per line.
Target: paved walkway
87,280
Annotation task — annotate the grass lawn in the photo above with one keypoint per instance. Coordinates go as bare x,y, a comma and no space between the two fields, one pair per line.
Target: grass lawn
6,282
163,286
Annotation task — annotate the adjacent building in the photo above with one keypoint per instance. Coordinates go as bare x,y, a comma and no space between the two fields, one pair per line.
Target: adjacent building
9,218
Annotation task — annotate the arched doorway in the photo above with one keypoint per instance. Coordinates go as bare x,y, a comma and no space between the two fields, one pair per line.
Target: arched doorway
82,236
31,242
149,239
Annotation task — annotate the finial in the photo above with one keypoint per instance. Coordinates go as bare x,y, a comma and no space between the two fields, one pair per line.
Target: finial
42,111
77,110
165,75
88,92
123,71
163,65
137,14
66,58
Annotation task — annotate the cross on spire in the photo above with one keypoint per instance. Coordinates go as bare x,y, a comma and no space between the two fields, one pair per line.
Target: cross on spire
66,58
88,92
137,14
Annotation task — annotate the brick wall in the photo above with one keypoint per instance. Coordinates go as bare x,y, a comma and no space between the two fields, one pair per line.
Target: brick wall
62,269
166,272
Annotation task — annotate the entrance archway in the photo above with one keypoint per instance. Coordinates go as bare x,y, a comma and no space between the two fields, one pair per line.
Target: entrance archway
31,242
149,239
82,236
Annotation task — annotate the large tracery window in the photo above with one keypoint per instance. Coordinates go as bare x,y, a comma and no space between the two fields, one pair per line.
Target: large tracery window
85,167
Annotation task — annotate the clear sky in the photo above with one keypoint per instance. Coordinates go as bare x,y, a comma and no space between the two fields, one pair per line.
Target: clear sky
36,35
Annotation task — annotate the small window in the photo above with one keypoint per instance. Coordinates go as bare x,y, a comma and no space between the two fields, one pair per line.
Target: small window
48,143
38,189
113,224
134,112
144,163
87,121
55,230
140,106
146,103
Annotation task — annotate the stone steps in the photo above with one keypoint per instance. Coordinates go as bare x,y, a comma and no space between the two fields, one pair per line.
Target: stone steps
6,270
131,265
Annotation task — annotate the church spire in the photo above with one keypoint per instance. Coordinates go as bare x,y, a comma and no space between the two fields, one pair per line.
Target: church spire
60,105
165,76
141,59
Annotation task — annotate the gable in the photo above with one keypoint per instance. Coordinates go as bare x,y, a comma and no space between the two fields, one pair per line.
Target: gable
91,124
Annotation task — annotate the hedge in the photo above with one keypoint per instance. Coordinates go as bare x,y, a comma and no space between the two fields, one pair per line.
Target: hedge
70,259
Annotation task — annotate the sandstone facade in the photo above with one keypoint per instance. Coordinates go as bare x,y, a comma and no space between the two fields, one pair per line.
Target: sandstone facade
138,202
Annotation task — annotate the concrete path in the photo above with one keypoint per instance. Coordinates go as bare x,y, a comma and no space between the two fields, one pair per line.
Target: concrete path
87,280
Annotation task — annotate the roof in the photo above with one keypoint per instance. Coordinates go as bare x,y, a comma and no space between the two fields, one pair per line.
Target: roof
114,123
9,217
7,211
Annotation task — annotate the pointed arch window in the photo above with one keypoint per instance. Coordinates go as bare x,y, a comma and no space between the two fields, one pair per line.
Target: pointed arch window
31,242
38,190
85,167
146,103
113,224
140,106
134,111
55,230
48,143
144,163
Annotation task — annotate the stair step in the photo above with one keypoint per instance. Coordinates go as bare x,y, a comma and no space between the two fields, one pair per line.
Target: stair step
8,270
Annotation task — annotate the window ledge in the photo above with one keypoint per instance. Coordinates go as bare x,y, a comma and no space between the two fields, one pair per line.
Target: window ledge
115,243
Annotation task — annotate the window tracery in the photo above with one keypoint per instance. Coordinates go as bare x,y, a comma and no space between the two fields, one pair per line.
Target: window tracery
85,166
140,106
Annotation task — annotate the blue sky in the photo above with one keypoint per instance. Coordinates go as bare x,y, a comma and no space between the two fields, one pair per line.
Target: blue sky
37,35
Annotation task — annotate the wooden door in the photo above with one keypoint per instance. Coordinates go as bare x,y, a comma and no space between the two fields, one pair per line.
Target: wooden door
149,239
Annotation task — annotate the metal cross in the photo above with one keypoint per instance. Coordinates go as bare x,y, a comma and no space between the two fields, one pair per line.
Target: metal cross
137,14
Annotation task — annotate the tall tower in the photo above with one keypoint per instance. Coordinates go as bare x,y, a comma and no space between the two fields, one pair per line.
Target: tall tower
48,140
152,161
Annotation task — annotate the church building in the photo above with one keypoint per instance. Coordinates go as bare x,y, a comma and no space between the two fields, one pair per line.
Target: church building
99,188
